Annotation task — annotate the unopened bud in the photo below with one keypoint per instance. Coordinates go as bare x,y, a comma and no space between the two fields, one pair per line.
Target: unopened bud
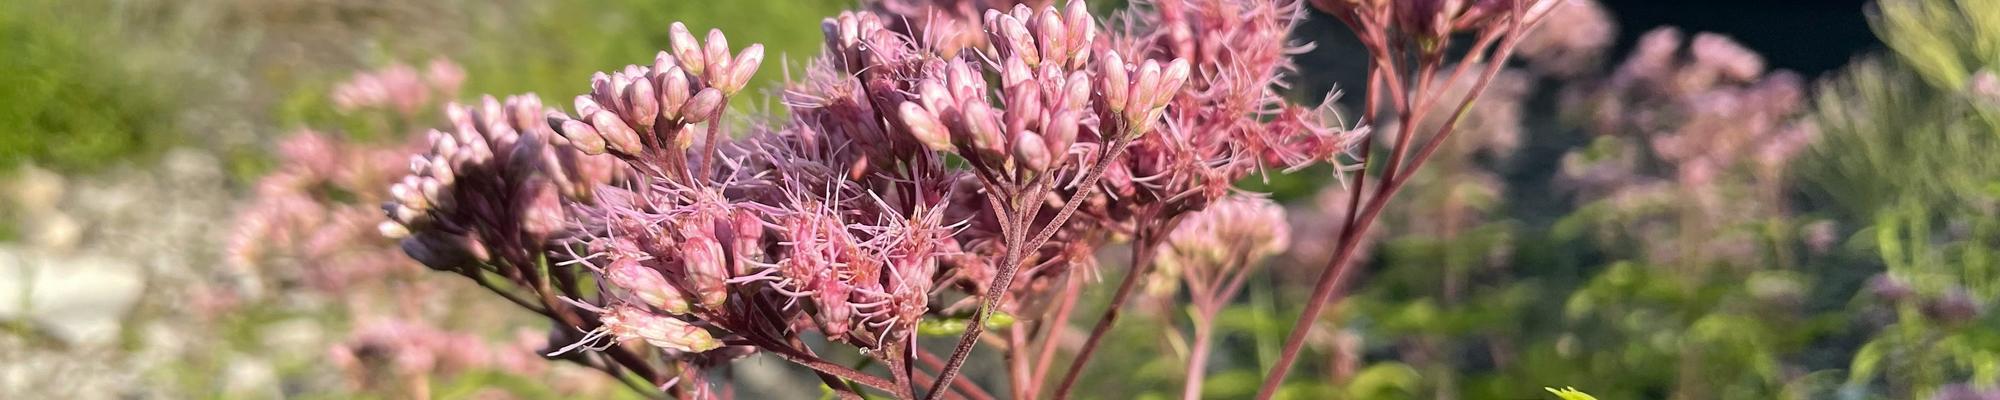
702,107
1061,133
982,132
646,283
586,105
1019,43
1144,89
1024,108
1082,32
687,49
664,61
626,322
642,105
924,126
717,53
1052,36
934,96
580,135
674,92
835,316
1116,85
707,274
1076,90
1031,152
1015,72
749,236
742,68
1171,80
620,137
524,159
541,208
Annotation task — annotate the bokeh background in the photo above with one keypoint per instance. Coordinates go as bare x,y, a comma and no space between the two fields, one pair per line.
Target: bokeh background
1665,200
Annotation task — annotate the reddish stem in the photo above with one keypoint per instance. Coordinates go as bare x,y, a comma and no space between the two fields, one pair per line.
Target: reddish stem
1056,324
1197,368
965,388
1393,181
1144,244
1005,277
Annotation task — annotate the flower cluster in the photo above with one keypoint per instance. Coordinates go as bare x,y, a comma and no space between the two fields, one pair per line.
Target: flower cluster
400,88
1712,120
929,155
492,187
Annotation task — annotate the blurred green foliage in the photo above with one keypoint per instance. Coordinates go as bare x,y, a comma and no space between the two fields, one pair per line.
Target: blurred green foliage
1904,168
65,99
1627,296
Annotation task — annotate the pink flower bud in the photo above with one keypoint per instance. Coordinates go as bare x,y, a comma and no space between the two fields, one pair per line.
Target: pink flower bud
702,107
664,61
523,110
674,92
1015,40
434,194
742,69
580,135
541,209
626,322
1082,32
717,53
707,274
1052,36
524,159
392,230
964,81
1076,90
1061,133
408,195
924,126
604,92
620,137
981,131
1015,72
642,105
1144,89
646,283
1116,84
1024,108
586,105
1171,81
687,49
835,315
1031,152
934,96
749,236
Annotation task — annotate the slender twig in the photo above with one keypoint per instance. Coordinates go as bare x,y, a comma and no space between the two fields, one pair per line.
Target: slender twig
899,364
1214,293
480,277
802,357
1144,247
962,387
1017,360
1005,276
1392,182
1056,324
1197,368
